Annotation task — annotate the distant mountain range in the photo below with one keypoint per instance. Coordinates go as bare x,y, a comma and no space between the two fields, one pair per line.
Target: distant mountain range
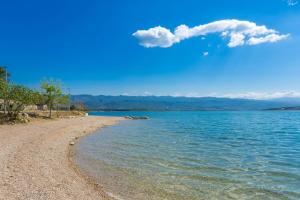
285,108
169,103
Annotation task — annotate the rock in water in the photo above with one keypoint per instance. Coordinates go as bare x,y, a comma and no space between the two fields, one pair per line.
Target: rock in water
136,117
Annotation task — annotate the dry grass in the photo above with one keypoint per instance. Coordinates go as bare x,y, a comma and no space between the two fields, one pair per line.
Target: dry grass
32,115
56,114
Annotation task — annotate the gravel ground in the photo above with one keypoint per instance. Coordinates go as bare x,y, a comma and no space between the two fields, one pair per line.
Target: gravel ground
35,160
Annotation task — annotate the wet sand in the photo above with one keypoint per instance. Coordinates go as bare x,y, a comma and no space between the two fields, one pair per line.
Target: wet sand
36,160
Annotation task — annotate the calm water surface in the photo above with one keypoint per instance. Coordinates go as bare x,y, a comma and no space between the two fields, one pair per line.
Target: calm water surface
197,155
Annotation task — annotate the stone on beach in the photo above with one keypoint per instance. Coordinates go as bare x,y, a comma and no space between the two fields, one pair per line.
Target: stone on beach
34,159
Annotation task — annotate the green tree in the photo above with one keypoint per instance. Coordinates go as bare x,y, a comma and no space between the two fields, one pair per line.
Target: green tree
3,94
18,97
3,73
79,105
2,88
63,99
52,94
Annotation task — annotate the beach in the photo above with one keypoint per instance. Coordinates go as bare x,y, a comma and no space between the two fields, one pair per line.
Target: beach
171,156
36,159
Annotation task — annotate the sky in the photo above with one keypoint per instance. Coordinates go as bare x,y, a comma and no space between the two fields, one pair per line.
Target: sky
224,48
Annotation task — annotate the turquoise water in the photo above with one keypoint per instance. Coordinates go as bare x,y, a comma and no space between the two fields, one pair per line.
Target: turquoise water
197,155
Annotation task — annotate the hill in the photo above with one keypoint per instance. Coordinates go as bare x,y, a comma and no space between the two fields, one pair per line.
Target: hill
169,103
285,108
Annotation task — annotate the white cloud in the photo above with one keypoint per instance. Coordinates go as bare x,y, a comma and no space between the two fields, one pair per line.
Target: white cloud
157,36
246,95
205,53
269,38
263,95
236,39
239,33
147,93
292,2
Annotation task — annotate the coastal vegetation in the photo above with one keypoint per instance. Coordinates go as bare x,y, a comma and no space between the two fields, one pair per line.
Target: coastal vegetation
52,95
16,98
4,75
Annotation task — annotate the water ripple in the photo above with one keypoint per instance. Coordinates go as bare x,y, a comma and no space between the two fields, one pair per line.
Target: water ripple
197,155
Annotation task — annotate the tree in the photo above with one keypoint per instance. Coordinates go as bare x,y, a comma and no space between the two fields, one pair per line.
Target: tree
4,79
63,100
17,98
3,73
52,94
79,105
3,90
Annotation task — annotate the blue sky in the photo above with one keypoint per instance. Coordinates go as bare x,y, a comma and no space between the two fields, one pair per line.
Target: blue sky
90,46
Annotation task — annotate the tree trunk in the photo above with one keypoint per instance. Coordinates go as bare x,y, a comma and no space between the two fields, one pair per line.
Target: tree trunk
4,105
50,114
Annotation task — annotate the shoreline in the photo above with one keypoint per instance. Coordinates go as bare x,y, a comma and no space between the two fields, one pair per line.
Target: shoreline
37,160
89,179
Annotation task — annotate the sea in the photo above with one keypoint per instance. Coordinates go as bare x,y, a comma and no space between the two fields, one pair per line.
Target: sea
203,155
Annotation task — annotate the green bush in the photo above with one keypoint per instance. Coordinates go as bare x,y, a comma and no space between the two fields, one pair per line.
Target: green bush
17,97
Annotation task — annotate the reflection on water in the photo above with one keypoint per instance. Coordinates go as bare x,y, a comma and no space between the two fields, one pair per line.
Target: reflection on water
197,155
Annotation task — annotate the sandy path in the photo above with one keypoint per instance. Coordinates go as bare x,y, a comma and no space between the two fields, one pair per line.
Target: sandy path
34,160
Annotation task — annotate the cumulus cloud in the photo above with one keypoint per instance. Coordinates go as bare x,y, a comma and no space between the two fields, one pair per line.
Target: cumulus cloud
205,53
269,38
156,37
236,39
292,2
239,33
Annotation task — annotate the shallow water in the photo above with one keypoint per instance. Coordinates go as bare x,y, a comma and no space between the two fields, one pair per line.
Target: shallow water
197,155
